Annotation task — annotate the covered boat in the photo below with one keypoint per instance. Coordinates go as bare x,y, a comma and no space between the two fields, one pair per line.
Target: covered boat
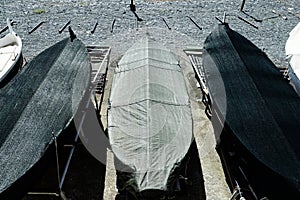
10,53
36,106
257,112
292,49
149,120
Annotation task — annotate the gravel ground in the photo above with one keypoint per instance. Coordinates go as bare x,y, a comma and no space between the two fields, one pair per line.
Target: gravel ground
270,36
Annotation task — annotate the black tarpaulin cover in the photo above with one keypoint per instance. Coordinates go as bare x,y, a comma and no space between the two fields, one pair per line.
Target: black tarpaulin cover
42,99
259,107
149,120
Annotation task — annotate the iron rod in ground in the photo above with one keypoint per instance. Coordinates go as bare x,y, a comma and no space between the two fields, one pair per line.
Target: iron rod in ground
194,23
94,29
242,5
132,6
36,27
254,26
64,27
295,14
112,26
219,20
280,15
166,23
255,19
6,27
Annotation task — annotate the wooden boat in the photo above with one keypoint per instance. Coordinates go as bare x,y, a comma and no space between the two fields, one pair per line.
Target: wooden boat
37,105
149,120
293,51
257,113
10,52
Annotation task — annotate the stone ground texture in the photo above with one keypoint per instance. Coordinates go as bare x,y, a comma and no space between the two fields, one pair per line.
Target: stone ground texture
270,36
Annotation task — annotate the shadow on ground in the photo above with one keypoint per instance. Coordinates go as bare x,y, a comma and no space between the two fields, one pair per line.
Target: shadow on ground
84,179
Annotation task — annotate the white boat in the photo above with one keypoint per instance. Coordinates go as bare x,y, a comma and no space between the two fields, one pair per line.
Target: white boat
292,49
10,52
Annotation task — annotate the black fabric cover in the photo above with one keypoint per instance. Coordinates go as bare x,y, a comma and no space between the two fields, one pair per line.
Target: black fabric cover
42,99
257,104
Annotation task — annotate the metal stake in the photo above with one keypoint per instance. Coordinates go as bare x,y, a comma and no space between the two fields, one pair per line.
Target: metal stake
166,23
57,162
36,27
6,27
295,14
254,26
280,15
132,6
242,6
94,29
219,20
65,26
194,23
112,26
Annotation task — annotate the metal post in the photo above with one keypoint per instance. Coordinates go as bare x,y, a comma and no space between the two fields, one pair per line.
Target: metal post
195,23
36,27
224,18
72,151
96,102
166,23
6,27
94,29
106,70
254,26
112,26
56,155
242,6
60,192
64,27
132,6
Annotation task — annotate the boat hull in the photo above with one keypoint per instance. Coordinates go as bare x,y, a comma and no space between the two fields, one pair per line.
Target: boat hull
38,104
294,78
10,54
252,102
12,73
149,120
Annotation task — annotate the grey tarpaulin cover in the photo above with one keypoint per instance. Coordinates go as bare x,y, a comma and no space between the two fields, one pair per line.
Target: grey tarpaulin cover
42,99
260,107
149,119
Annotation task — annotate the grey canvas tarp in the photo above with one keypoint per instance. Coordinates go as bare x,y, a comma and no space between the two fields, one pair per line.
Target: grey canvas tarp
259,107
149,119
42,99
